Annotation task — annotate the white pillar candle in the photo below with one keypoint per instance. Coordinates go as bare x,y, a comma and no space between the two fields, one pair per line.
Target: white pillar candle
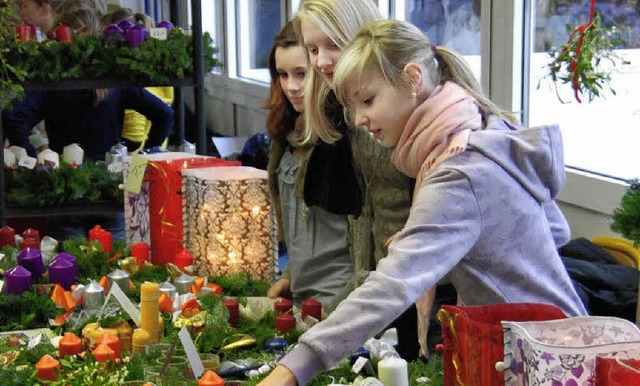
20,152
49,155
73,154
10,159
393,372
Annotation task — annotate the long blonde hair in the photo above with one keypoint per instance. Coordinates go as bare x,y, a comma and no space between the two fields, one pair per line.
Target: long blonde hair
340,20
389,45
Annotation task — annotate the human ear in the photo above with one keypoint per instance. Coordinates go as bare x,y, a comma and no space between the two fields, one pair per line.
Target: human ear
414,75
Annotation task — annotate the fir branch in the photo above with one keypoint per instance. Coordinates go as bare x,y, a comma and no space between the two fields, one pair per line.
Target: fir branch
626,217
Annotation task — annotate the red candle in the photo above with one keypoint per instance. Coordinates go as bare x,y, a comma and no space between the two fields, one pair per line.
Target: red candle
210,378
70,344
7,236
285,322
24,33
103,237
183,259
47,367
112,341
282,306
103,353
29,243
32,233
233,308
140,251
313,308
63,33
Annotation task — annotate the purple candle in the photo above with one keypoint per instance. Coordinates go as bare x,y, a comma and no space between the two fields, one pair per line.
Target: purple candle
69,258
7,236
165,24
136,35
113,29
17,280
31,259
62,271
125,24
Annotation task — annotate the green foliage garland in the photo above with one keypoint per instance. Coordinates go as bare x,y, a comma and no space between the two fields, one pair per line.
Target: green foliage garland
26,311
626,217
45,186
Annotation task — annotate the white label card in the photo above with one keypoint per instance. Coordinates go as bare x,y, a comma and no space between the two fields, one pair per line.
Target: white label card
115,167
28,162
158,33
126,304
192,353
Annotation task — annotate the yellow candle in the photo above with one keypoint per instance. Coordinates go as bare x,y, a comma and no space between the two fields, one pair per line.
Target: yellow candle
139,340
124,333
149,309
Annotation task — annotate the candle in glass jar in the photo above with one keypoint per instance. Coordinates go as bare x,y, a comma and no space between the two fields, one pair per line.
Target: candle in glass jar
140,251
285,322
149,309
70,344
62,271
313,308
31,259
103,353
282,306
47,366
183,259
17,280
103,236
7,236
233,307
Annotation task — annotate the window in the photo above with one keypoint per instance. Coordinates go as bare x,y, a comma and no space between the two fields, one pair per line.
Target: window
451,23
212,23
598,135
258,21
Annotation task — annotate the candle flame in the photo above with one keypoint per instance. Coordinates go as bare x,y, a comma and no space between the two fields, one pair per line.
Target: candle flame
185,164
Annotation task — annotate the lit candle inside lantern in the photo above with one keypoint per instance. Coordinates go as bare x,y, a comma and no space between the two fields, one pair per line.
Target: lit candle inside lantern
31,233
210,378
233,308
7,236
112,341
17,280
62,271
149,309
140,251
29,243
70,344
285,322
103,236
31,259
282,306
313,308
103,353
139,340
47,366
183,259
393,372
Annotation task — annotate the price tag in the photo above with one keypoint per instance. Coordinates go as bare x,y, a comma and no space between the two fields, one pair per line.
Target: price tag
28,162
124,301
192,353
158,33
136,174
115,167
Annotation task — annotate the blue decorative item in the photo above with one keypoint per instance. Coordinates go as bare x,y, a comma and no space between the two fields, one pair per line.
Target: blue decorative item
360,352
275,345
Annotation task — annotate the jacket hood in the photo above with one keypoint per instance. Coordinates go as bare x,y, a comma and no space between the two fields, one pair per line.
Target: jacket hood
533,156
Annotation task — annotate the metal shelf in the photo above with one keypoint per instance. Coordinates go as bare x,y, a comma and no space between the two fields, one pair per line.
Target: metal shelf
68,209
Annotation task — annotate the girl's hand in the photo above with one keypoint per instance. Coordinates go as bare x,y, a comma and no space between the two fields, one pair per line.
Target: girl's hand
280,376
279,289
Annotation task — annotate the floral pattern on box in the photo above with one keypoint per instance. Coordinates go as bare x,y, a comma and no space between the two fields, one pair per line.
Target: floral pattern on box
136,212
229,223
563,352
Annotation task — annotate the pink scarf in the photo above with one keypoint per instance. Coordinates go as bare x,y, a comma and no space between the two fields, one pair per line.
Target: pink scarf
437,130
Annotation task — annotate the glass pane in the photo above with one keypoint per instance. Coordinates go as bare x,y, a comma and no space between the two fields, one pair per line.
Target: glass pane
211,23
258,23
451,23
599,135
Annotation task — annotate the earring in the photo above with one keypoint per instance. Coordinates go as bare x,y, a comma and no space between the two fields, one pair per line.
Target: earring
414,94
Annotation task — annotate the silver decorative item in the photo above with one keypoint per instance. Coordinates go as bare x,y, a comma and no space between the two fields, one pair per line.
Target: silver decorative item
187,147
93,297
168,288
122,278
183,283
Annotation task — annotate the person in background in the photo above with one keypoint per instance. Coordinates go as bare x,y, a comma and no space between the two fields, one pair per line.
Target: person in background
483,211
348,172
40,14
319,264
91,118
136,127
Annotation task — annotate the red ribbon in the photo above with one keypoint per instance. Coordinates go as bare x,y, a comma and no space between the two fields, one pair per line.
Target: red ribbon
574,62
